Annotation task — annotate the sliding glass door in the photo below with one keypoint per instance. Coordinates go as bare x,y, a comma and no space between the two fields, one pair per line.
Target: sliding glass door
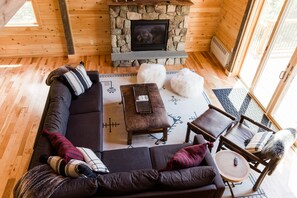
285,111
267,69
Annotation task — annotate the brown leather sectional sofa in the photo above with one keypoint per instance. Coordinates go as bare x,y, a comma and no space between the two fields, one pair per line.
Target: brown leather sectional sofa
80,120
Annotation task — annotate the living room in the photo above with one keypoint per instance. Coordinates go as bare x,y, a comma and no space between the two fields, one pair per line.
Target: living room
29,54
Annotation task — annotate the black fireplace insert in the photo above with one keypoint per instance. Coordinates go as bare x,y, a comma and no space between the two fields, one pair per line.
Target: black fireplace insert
149,35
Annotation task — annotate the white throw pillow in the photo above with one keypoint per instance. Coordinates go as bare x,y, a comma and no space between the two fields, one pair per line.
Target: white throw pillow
92,160
258,142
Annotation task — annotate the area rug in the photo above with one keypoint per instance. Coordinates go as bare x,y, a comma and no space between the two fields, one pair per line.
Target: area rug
180,110
244,189
237,101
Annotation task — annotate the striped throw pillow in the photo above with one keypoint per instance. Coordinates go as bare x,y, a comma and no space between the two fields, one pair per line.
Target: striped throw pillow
74,168
258,142
77,80
92,160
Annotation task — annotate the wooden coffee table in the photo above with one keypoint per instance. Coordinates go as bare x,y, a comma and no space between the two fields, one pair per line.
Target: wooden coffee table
144,123
230,173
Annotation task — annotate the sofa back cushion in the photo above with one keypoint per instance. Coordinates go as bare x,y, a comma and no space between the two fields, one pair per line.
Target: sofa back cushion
122,183
56,117
60,92
79,187
160,155
186,178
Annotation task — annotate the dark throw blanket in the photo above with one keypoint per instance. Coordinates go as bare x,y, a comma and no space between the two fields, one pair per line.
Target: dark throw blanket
57,73
39,181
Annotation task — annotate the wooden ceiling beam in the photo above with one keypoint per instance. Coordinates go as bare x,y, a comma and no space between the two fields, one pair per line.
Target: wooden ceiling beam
66,26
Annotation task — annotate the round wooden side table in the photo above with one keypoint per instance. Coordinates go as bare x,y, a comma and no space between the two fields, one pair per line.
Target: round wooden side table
229,171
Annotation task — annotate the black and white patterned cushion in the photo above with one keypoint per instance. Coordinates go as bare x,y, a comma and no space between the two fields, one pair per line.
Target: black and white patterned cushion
74,168
78,80
92,160
258,141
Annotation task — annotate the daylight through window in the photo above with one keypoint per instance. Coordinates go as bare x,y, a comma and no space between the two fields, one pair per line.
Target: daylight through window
25,16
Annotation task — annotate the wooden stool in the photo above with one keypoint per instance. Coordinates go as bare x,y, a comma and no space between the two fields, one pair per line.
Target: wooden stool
211,124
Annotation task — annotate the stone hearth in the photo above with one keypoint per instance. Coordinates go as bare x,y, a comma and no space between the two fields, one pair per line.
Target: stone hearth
120,19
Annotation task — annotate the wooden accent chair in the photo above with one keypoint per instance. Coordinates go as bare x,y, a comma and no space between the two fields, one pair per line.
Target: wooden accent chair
235,138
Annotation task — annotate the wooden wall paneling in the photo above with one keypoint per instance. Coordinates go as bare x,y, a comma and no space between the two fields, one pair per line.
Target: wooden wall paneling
202,23
8,8
46,39
231,16
90,27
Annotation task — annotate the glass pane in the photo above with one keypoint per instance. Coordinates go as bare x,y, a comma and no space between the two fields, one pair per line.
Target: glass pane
282,50
24,16
260,38
285,114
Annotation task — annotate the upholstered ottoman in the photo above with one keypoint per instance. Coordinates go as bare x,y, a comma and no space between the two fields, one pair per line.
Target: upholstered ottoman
151,73
187,83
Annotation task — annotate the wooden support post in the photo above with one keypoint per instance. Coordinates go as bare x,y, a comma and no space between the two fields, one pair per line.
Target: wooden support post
66,26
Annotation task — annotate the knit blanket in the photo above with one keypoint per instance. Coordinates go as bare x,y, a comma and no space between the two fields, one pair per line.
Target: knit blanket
39,181
57,73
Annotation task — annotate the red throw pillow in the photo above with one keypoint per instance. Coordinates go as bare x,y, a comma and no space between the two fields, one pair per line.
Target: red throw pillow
63,146
188,156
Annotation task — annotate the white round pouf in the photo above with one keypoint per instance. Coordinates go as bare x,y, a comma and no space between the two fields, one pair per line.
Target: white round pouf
152,73
187,83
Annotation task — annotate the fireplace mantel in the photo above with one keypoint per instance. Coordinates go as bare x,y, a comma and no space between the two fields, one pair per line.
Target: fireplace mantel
149,2
122,13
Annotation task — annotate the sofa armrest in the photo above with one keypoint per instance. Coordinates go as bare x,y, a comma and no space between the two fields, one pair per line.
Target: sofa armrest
94,76
209,161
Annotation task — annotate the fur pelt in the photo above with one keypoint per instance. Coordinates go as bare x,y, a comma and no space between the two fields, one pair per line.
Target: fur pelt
280,142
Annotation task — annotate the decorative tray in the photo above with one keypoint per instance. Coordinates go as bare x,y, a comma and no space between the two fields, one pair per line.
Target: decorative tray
142,99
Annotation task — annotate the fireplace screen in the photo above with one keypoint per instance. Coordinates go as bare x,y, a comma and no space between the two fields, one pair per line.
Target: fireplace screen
149,35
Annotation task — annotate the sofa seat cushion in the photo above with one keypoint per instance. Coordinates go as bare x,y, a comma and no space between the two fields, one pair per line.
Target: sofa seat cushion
130,159
84,130
161,155
187,178
57,117
90,101
60,92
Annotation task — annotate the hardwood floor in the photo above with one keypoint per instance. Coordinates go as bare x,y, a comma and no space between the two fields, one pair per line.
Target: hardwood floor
23,94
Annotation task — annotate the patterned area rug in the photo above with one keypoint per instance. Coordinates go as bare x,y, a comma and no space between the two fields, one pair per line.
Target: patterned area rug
238,102
180,110
244,189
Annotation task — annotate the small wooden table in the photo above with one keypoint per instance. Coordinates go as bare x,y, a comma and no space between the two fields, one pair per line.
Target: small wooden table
137,123
230,173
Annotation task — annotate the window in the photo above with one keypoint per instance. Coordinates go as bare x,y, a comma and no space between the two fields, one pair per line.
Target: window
25,16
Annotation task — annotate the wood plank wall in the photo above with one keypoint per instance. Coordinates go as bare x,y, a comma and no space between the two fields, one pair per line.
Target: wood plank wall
45,40
89,20
90,26
8,8
231,16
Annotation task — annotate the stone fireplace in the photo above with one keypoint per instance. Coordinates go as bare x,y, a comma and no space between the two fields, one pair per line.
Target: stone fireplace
148,32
